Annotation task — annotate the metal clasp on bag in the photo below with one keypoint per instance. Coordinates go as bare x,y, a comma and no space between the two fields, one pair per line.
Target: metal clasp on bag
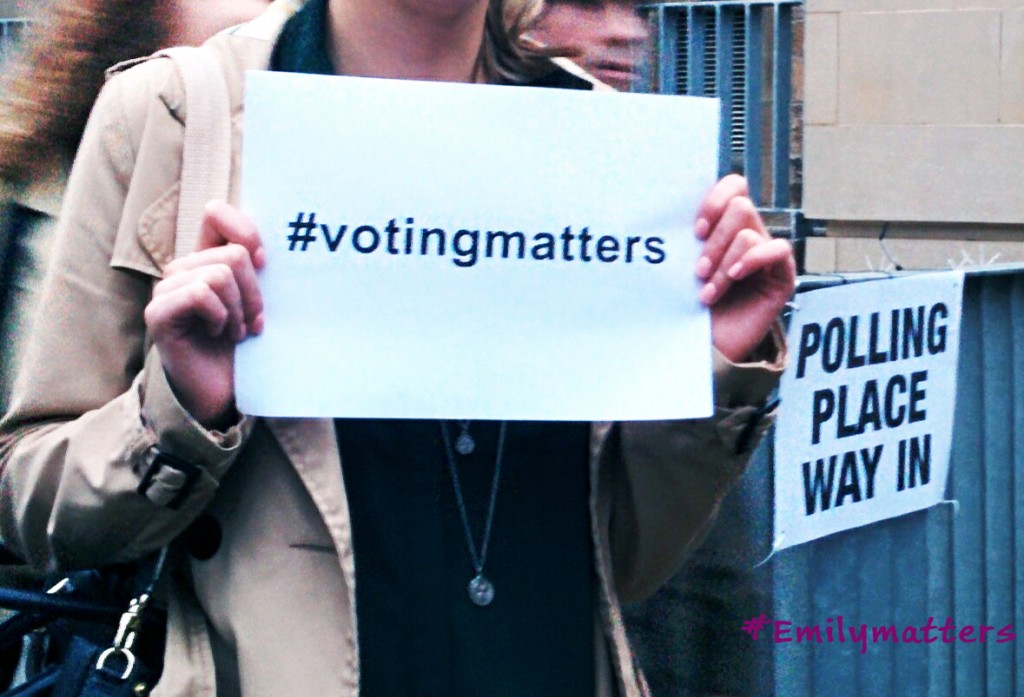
127,630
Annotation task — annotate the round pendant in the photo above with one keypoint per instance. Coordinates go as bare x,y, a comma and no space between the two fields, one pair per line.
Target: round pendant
481,591
464,444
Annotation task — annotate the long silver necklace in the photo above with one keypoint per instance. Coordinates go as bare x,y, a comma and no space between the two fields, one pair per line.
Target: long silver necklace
480,588
464,444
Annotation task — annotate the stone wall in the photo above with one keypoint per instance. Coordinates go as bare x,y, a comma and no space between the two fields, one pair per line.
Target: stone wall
914,111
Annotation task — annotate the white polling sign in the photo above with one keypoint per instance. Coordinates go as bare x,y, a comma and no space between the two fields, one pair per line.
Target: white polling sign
866,421
439,250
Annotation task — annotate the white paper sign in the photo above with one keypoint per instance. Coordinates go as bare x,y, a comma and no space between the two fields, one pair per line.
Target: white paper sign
866,420
439,250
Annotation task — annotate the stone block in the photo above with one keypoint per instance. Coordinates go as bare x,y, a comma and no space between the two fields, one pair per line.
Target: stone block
843,254
821,68
1011,107
914,173
938,67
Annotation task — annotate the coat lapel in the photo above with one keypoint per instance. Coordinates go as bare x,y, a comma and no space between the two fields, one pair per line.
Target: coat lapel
312,448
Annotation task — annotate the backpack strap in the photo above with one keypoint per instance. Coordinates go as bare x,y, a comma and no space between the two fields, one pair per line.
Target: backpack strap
206,155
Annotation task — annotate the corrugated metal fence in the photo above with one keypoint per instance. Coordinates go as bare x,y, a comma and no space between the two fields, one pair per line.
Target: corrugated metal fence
965,563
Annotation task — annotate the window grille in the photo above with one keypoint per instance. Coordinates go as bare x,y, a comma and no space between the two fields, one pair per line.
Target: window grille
10,30
741,51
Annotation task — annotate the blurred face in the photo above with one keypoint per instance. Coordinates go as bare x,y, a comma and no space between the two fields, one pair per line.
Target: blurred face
198,20
609,36
439,8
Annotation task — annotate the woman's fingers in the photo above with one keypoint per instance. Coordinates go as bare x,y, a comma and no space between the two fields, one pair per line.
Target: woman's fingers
721,280
238,260
207,302
716,201
774,254
209,293
224,224
169,312
748,275
748,255
739,215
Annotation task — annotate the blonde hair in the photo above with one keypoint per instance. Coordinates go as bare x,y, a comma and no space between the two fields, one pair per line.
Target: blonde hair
50,83
508,56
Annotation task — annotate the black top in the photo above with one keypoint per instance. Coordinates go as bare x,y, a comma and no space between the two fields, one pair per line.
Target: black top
419,633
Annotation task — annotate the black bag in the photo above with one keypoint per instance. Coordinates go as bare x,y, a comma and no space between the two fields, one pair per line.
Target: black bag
82,640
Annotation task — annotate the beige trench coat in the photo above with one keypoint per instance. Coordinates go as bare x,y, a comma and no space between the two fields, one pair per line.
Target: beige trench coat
273,609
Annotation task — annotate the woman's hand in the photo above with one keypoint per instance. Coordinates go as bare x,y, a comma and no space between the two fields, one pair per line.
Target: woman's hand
206,303
748,275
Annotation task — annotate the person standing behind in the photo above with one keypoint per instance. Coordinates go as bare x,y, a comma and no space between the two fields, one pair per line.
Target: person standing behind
46,92
606,38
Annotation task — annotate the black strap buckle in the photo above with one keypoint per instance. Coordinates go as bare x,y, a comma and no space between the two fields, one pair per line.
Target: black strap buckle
747,434
161,460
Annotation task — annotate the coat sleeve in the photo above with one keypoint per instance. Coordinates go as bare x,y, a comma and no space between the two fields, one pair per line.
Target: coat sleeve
92,409
664,480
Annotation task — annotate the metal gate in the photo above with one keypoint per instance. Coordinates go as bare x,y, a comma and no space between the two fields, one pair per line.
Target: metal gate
962,562
741,51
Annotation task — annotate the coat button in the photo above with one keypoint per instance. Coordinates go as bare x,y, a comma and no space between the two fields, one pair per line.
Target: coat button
203,537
